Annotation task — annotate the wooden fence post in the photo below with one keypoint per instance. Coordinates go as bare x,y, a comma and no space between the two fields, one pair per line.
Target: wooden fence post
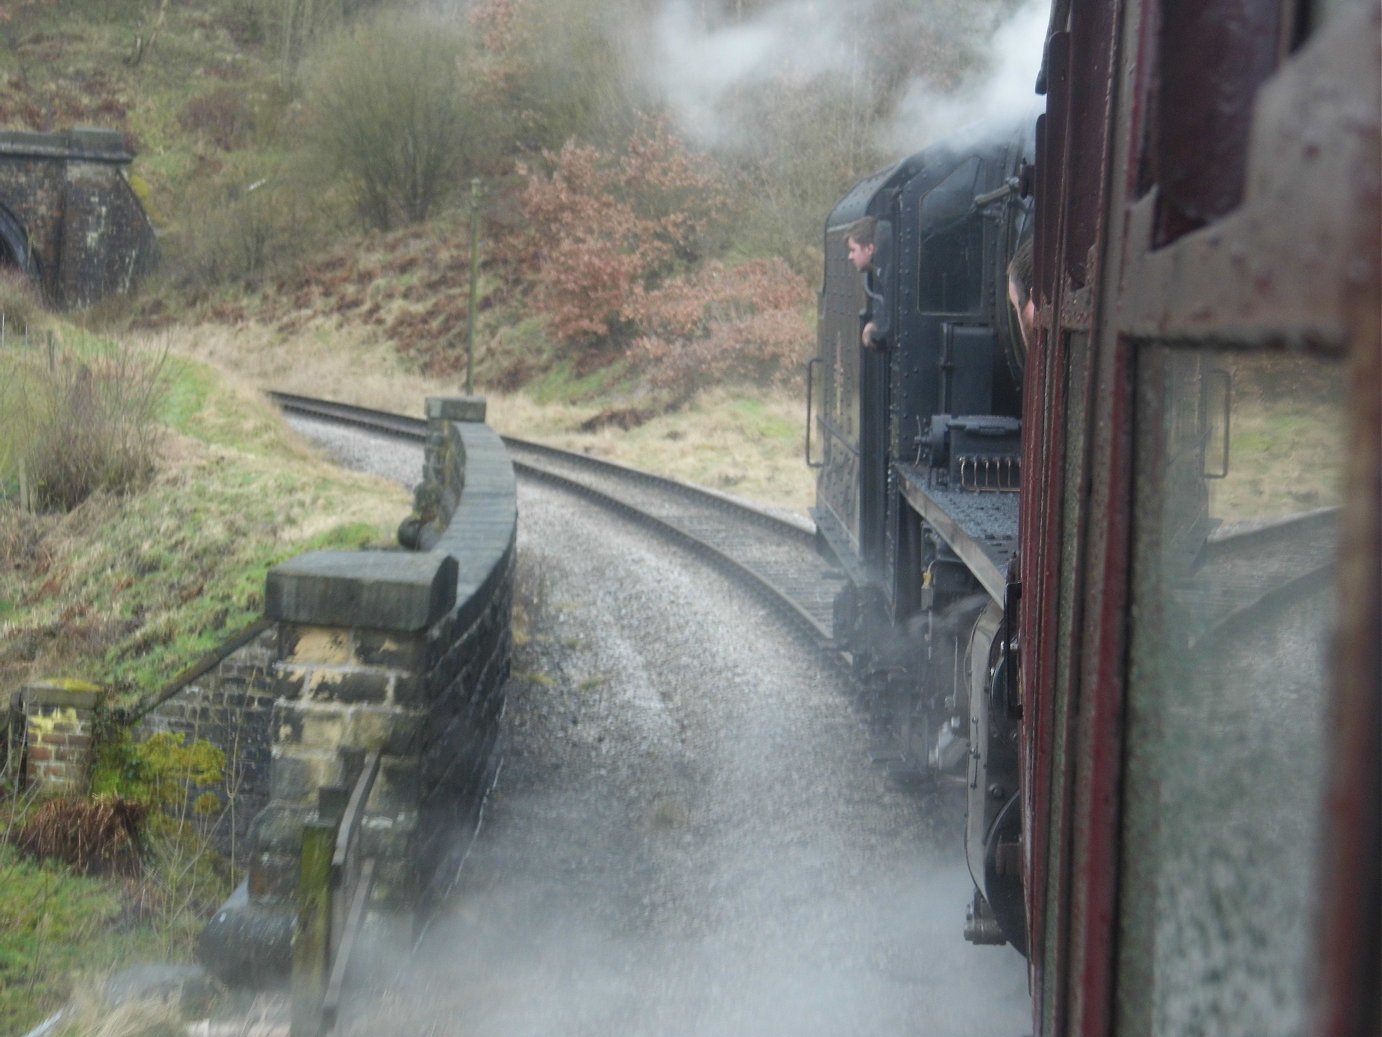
312,946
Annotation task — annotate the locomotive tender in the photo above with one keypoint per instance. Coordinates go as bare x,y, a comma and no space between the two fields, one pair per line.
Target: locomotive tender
1126,584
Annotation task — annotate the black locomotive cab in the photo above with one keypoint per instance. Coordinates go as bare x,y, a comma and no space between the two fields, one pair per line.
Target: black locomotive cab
935,407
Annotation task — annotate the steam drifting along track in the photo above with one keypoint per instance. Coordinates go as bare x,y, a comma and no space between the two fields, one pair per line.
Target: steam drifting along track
776,556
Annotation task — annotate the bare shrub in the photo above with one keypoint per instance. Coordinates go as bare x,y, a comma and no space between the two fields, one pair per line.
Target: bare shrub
182,877
83,425
223,116
94,837
391,117
237,234
555,70
747,323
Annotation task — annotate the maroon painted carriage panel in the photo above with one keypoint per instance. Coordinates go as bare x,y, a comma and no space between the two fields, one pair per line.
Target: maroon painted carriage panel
1209,208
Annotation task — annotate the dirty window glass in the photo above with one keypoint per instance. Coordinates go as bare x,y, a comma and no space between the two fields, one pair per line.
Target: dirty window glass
1237,479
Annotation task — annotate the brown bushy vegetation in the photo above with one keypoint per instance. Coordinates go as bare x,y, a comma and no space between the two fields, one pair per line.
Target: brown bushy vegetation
92,836
80,423
223,116
599,230
743,324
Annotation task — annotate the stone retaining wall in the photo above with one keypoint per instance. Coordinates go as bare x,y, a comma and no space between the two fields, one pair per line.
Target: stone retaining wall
402,651
231,705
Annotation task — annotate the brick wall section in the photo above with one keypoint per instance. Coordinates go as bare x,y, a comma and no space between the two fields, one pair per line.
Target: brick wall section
56,721
231,705
402,651
68,194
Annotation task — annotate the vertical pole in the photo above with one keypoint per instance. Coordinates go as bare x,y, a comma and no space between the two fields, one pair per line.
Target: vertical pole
289,13
311,947
474,281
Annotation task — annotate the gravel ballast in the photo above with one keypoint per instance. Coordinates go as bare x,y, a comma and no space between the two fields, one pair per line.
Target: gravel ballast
688,835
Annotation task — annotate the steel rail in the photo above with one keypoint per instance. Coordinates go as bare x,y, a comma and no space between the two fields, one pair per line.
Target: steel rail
722,559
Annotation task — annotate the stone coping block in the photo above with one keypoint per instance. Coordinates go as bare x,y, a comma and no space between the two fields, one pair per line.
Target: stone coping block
382,590
248,944
59,694
484,524
456,408
96,145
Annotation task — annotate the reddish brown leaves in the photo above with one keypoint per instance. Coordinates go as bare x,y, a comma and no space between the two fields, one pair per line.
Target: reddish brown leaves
600,230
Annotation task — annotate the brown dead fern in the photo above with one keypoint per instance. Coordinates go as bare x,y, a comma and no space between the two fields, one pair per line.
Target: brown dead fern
101,836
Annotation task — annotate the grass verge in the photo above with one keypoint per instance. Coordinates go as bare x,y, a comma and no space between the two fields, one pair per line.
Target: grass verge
129,589
745,440
55,924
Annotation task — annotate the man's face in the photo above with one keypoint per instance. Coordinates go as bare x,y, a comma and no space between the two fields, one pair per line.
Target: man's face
1026,313
860,255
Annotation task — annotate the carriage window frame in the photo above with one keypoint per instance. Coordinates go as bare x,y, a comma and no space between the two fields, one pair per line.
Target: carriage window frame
1192,707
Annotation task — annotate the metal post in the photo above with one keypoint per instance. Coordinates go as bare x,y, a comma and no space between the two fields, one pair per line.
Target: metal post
474,281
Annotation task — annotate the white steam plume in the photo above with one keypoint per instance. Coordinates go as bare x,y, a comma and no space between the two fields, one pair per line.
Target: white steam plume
695,67
1005,90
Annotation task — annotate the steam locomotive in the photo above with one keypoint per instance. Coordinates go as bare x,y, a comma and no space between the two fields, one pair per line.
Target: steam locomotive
1124,583
919,459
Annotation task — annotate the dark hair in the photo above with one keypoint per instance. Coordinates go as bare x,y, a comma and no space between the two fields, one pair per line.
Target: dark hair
861,230
1020,271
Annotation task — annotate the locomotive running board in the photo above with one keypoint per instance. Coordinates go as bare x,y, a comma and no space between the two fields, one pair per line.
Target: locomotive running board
979,527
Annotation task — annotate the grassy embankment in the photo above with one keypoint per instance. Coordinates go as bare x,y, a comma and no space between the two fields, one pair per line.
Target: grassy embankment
129,589
737,440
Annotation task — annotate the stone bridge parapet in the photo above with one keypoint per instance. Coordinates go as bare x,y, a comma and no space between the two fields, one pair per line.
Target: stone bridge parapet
405,652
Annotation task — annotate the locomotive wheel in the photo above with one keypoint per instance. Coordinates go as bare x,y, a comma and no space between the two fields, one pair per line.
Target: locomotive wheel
1003,874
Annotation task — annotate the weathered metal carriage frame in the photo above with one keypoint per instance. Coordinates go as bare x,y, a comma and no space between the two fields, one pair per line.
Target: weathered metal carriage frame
1310,206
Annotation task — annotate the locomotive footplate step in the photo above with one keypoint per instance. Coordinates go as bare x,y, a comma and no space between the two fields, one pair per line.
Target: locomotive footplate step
979,527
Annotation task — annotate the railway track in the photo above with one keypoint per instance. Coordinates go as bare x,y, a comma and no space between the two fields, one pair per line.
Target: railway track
776,557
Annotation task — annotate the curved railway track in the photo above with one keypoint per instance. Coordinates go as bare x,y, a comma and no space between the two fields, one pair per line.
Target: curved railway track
776,557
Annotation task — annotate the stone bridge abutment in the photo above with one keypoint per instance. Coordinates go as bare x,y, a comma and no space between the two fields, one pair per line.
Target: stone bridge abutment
68,216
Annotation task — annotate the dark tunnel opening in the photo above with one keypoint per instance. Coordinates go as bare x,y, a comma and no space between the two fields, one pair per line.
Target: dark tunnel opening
14,245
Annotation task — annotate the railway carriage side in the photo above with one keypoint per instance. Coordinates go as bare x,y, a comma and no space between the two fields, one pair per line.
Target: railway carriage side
1200,561
1168,698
